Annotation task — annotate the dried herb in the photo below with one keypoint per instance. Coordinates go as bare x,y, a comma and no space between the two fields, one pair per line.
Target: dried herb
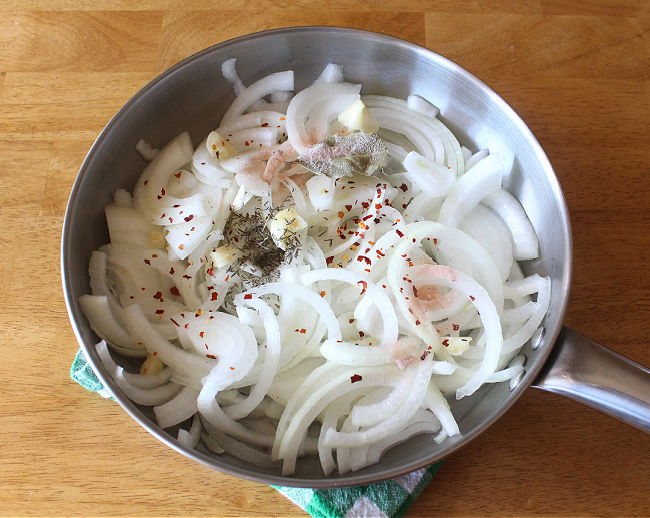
345,155
250,234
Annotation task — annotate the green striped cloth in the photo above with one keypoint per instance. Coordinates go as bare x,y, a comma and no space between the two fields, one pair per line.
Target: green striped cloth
383,499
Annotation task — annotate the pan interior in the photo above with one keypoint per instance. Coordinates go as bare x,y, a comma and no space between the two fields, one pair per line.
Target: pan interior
193,96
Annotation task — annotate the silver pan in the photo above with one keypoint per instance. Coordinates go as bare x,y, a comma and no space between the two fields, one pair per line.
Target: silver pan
193,95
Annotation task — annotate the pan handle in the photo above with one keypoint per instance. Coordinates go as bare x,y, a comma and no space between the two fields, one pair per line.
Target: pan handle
589,373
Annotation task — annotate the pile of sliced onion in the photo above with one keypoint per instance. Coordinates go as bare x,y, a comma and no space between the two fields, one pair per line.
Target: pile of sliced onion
402,290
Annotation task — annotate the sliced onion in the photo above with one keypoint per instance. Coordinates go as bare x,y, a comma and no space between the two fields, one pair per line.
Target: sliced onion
432,178
178,409
278,81
484,178
524,239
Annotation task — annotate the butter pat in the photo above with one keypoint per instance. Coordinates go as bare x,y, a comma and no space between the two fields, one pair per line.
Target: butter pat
219,147
285,226
224,256
357,116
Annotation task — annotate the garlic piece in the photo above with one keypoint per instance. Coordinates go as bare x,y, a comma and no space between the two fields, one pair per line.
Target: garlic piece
285,225
224,256
357,116
219,147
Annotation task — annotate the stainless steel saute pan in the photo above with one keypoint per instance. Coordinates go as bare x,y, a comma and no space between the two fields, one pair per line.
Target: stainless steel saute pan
193,95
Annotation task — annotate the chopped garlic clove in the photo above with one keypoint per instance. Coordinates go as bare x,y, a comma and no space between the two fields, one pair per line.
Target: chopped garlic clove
456,345
151,366
224,256
357,116
219,147
285,225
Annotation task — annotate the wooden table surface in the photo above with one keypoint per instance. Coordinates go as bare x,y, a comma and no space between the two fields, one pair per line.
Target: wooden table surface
578,72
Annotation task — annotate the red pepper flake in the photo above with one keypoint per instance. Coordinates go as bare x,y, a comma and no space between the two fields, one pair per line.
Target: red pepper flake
445,342
366,218
189,218
364,285
178,175
158,295
214,295
399,232
131,297
340,214
415,291
186,326
246,143
232,368
303,331
236,239
348,208
174,322
404,187
435,241
265,124
365,204
378,206
355,377
188,277
210,271
323,293
472,298
145,182
380,253
361,334
155,353
351,321
417,322
162,191
248,296
147,261
160,311
201,335
227,277
383,286
180,247
328,260
211,356
424,355
154,255
171,220
455,327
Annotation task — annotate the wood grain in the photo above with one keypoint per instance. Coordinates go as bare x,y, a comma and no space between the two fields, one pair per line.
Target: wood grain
577,72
